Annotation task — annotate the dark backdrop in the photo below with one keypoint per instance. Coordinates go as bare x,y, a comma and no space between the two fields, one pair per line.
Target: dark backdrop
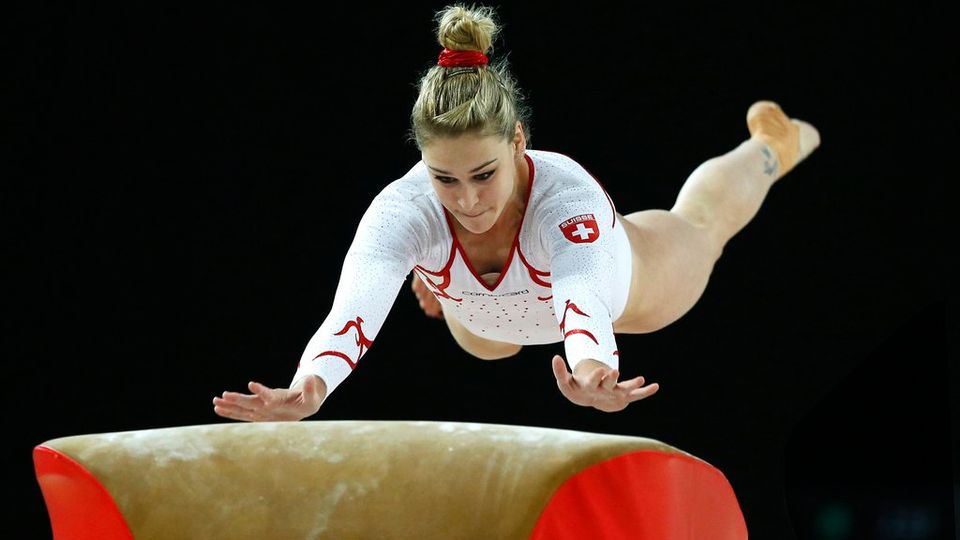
184,185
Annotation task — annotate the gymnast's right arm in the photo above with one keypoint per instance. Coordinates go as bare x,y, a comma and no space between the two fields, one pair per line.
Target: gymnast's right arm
384,251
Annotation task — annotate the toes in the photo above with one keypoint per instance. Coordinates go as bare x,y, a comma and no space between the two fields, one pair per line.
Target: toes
809,138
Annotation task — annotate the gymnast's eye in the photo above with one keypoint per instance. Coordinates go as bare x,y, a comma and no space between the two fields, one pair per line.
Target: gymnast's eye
481,177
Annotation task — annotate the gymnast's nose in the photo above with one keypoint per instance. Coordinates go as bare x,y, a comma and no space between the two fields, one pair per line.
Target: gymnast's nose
468,199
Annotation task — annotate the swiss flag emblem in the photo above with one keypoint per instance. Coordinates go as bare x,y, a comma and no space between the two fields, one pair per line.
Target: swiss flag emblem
581,229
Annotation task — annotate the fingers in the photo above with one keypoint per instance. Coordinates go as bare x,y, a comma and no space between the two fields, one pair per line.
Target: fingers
242,406
269,398
600,387
245,404
635,390
560,369
645,392
594,378
232,411
565,379
632,384
241,400
610,379
258,389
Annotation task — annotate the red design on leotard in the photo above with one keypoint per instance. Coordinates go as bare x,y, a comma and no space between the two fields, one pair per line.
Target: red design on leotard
438,289
534,273
563,322
362,342
581,331
338,354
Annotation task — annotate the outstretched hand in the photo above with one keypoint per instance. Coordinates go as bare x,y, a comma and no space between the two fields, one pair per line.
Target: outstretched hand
273,404
594,385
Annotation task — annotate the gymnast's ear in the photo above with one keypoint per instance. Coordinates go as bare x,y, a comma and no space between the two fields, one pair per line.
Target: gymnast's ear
519,141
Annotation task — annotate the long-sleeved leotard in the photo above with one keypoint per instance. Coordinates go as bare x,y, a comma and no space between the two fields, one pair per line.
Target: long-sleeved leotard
566,278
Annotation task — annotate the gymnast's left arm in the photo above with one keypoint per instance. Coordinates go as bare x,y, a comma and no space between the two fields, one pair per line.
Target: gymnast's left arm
577,232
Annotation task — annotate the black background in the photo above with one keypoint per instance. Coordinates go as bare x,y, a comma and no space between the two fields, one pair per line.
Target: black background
184,184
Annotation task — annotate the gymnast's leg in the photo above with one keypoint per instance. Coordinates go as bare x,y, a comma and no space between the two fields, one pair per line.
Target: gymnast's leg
674,252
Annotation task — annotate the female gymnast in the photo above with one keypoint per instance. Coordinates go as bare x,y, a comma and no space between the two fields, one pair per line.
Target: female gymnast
514,246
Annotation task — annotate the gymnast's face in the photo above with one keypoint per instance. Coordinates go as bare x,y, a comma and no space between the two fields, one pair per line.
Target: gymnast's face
476,177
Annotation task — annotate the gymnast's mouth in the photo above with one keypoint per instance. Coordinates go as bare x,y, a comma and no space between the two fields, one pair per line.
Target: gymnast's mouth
473,216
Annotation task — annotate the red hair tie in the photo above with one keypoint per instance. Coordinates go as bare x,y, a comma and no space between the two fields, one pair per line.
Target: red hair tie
450,58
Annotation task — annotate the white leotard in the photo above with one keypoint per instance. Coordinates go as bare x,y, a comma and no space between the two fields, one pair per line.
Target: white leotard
566,279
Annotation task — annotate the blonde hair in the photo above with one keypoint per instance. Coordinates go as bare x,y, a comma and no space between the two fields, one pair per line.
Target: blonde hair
483,100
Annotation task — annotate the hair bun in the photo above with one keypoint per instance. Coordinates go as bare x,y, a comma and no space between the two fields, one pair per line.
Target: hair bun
466,29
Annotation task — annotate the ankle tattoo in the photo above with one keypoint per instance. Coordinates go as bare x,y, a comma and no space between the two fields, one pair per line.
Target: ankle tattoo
770,161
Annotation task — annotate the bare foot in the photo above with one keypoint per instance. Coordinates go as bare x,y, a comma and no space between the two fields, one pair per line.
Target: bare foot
792,139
